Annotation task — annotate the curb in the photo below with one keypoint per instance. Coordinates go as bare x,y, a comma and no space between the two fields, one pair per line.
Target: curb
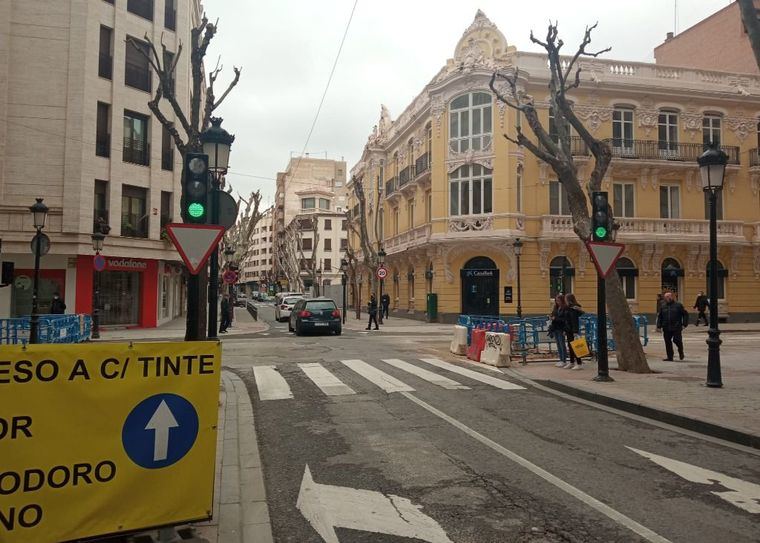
695,425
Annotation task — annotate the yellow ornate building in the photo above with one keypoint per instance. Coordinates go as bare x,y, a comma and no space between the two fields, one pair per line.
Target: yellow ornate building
453,194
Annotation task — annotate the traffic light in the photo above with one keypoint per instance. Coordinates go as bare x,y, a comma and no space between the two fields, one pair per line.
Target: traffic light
196,188
600,218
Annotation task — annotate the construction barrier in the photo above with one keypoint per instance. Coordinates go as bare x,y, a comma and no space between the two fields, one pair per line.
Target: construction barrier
459,342
477,344
497,350
51,329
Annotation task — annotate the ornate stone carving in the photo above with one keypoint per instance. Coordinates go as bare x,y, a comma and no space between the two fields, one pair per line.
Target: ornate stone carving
742,126
732,181
509,251
736,256
437,107
456,160
690,180
647,119
692,123
691,259
646,258
471,224
754,182
544,249
593,116
443,253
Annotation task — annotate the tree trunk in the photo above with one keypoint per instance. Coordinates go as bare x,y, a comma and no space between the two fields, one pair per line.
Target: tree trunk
751,26
630,352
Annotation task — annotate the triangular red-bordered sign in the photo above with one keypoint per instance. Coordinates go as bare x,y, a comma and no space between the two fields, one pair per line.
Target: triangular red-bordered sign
604,255
194,242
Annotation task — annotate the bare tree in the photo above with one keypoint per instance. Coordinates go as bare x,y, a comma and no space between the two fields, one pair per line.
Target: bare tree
555,150
751,25
369,253
287,253
353,264
240,237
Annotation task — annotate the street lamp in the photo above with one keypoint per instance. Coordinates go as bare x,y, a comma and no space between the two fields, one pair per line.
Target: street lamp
344,282
97,244
39,214
216,143
712,168
381,254
319,282
518,251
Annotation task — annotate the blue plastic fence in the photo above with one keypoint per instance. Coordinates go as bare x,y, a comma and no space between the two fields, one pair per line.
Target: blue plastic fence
52,329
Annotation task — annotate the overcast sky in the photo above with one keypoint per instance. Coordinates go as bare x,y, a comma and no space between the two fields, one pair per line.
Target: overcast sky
393,49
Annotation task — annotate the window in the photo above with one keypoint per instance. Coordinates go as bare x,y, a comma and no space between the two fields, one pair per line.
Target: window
136,68
166,208
410,213
561,274
344,225
428,206
306,244
328,224
395,221
308,203
134,216
326,266
103,130
167,150
622,129
623,199
669,202
558,204
328,244
429,144
471,190
100,205
667,133
711,129
470,122
136,148
722,274
170,14
718,204
143,8
518,188
324,204
105,56
343,244
627,273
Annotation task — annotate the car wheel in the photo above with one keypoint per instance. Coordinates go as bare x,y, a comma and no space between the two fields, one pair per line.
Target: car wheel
298,330
339,331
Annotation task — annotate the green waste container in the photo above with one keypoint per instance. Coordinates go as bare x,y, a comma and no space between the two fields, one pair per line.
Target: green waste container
432,306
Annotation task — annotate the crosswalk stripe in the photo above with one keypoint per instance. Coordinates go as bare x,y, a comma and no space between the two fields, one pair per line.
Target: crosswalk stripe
271,385
477,376
429,376
326,381
387,382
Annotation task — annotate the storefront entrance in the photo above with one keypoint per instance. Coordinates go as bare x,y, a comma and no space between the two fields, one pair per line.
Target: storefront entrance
480,287
119,297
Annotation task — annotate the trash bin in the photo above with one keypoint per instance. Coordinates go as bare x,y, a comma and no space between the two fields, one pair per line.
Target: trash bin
432,307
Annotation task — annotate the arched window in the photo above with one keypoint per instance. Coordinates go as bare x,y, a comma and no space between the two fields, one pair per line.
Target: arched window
470,190
722,274
671,272
561,274
470,122
627,272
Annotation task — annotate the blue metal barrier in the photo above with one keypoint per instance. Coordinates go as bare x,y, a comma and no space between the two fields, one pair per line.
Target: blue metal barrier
481,321
52,329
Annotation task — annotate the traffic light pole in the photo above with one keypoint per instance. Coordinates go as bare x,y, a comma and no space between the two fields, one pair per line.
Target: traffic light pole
602,361
213,280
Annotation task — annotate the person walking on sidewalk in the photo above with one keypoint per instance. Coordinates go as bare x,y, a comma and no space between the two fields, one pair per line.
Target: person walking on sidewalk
701,305
572,317
57,306
372,310
557,328
385,303
225,314
672,319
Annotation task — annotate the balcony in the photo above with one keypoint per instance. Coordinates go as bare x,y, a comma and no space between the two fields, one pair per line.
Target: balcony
404,176
663,150
422,165
411,238
390,186
578,147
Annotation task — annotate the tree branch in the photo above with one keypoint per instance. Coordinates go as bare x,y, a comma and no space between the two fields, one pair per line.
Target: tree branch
751,25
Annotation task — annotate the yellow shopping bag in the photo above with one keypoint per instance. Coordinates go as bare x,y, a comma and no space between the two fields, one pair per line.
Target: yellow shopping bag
580,347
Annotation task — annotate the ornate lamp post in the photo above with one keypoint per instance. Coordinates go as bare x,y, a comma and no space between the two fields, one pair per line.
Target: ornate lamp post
97,245
344,282
216,144
381,254
39,214
712,168
518,245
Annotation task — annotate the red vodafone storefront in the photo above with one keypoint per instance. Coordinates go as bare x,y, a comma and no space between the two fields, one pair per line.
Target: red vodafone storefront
129,290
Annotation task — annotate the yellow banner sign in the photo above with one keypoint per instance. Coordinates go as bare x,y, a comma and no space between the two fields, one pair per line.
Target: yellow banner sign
105,438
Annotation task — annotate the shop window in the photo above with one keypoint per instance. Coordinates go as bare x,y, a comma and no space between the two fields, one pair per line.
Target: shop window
134,216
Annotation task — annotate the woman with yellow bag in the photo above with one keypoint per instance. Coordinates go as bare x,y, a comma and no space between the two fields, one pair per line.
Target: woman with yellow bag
571,316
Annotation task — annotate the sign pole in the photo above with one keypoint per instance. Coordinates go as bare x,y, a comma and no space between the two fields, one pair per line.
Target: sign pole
601,331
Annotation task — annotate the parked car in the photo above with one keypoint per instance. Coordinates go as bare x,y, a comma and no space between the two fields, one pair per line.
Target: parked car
283,308
315,314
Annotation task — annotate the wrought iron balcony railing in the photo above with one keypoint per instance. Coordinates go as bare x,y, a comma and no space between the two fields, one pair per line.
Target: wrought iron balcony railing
665,150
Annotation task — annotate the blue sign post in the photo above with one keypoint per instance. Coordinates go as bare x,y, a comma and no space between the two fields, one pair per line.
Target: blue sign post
160,431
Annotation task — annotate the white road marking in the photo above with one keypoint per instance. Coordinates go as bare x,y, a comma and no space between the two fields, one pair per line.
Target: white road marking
387,382
326,381
327,507
429,376
743,494
475,375
603,508
271,385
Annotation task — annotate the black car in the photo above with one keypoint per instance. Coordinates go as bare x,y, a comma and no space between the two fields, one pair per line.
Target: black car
315,314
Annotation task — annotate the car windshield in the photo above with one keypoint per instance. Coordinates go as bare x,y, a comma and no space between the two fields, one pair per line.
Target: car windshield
291,301
320,305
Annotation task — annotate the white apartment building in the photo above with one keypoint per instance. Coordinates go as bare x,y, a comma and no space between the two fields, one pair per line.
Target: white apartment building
312,189
75,129
257,267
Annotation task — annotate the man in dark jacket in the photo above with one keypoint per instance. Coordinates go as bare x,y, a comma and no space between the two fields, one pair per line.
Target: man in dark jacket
385,303
372,310
225,314
57,306
671,319
700,305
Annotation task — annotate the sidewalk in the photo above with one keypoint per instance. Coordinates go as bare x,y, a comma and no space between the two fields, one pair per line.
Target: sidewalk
243,323
396,325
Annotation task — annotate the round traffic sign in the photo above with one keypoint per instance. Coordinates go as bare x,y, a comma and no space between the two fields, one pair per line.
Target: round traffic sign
44,242
382,272
160,431
99,263
230,276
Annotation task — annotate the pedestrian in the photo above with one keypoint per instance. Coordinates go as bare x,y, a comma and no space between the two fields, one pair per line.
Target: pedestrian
557,328
57,306
660,301
572,317
672,319
372,310
700,305
385,302
225,314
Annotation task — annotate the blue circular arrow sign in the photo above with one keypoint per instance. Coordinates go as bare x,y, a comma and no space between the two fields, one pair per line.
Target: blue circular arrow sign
160,430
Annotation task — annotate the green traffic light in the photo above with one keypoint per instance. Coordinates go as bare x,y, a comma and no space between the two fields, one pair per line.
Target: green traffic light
196,210
600,232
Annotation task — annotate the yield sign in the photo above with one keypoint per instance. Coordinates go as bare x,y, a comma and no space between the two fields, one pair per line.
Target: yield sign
194,242
605,255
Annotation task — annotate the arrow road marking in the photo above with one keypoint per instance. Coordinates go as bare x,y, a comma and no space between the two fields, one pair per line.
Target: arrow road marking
328,507
161,422
742,494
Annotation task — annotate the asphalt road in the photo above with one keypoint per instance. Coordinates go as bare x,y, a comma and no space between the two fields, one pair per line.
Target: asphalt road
478,463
